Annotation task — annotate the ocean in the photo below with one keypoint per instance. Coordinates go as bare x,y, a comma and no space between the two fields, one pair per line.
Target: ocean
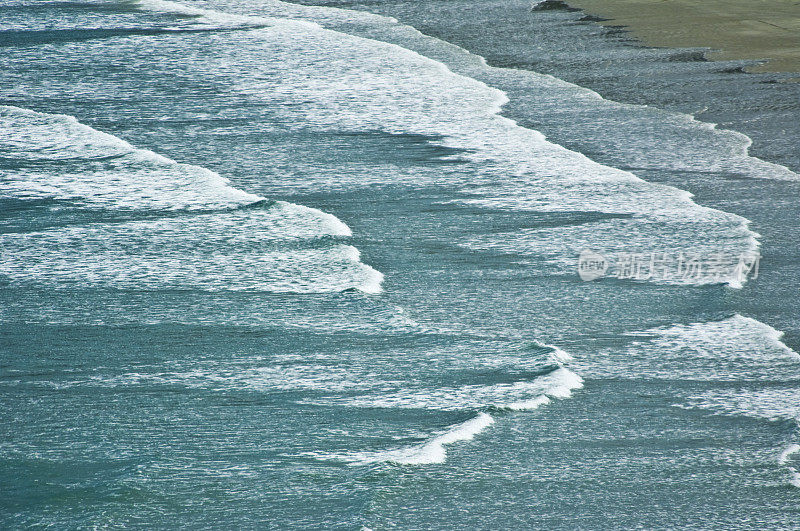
315,265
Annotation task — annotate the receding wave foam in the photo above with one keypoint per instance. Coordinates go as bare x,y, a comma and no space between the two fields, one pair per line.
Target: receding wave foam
687,145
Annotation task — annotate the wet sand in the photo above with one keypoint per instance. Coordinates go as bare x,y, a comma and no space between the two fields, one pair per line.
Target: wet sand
734,29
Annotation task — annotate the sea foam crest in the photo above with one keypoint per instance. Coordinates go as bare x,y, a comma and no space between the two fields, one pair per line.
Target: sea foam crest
561,384
787,453
785,457
430,452
725,337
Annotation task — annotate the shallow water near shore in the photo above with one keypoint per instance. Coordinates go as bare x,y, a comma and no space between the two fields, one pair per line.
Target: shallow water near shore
277,265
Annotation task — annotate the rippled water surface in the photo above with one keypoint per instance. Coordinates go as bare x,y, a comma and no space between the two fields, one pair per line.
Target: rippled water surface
273,265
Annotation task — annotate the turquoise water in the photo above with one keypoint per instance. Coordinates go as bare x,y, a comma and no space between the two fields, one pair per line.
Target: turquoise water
269,265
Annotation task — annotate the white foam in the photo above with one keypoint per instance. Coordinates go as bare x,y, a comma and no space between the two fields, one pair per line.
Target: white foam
430,452
219,252
272,247
561,356
384,87
557,355
783,458
737,348
205,15
557,384
373,281
218,18
109,172
562,382
328,223
736,336
527,405
777,403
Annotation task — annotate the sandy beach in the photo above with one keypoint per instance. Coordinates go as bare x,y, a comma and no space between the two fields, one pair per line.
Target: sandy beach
734,29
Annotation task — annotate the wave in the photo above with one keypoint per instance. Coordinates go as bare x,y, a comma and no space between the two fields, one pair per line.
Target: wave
224,240
430,452
706,148
515,168
787,453
558,384
776,403
376,383
517,395
207,16
734,349
100,170
215,18
520,396
785,457
745,368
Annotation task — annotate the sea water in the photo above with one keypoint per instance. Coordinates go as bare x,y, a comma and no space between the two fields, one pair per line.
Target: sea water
277,265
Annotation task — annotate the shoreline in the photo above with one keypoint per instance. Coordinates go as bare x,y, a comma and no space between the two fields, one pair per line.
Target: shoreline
733,29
